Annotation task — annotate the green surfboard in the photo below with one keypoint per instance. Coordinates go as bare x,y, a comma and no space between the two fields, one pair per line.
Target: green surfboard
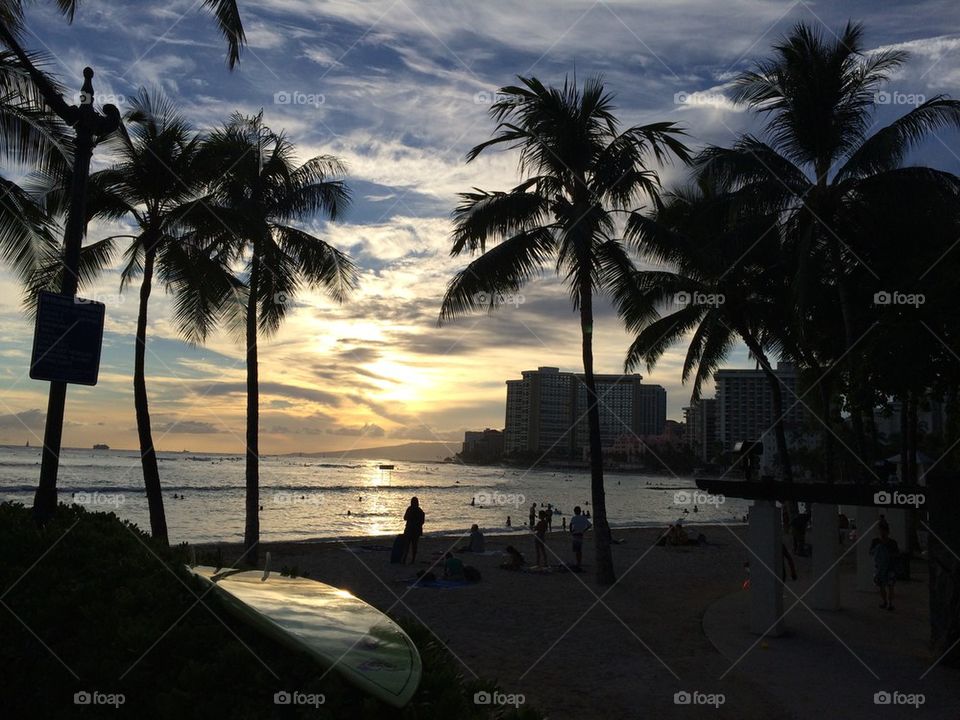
333,626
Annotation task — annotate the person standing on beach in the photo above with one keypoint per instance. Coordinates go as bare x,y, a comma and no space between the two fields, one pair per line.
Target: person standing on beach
540,539
533,516
549,517
885,551
579,524
414,518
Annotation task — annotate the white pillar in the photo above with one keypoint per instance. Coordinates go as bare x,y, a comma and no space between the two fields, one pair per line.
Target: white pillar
766,588
866,525
825,540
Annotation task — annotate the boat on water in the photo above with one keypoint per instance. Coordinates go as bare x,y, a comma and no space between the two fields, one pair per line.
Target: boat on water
386,467
101,446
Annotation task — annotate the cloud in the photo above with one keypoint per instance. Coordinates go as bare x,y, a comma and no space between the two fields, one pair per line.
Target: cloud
24,420
187,427
268,388
369,430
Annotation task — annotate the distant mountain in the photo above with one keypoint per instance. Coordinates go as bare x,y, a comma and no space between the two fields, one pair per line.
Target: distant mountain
408,452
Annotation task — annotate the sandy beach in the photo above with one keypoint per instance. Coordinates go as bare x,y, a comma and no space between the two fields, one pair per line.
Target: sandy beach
558,638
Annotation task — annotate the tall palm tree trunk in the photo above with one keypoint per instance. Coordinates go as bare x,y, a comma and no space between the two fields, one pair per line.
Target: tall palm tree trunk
912,431
148,455
251,534
856,380
776,396
604,555
829,450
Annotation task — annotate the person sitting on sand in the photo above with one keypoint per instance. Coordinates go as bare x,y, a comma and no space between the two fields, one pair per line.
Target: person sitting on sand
477,542
452,567
540,539
414,518
579,524
514,559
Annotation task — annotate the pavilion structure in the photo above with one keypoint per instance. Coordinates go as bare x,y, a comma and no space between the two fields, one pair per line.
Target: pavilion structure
765,536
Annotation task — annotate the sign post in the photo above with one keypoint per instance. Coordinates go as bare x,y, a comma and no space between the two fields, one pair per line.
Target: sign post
67,340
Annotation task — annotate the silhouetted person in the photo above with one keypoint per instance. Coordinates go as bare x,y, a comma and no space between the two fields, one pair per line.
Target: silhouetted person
477,542
533,515
579,524
885,551
414,517
540,538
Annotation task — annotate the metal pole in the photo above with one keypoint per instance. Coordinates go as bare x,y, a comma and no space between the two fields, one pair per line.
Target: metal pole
89,126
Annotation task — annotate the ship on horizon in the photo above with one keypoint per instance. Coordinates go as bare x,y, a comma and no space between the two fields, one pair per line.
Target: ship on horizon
101,446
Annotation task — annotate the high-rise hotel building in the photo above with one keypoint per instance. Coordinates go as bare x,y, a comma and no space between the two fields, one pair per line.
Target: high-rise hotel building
745,405
547,412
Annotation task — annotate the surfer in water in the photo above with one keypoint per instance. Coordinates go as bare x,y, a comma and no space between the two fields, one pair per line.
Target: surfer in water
414,518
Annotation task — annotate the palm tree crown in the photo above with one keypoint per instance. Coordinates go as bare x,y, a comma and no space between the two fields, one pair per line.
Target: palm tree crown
580,170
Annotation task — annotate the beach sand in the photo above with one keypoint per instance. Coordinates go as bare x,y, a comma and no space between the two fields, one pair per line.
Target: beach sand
572,648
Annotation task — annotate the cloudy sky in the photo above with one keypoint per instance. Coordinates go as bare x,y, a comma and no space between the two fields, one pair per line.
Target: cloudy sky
400,90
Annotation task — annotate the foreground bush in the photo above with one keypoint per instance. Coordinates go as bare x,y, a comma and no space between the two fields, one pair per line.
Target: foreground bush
92,605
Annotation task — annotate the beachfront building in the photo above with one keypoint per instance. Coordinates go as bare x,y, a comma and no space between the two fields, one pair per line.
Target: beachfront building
546,412
701,431
485,446
744,406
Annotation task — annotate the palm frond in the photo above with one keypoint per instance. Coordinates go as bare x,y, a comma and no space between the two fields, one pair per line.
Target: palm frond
503,269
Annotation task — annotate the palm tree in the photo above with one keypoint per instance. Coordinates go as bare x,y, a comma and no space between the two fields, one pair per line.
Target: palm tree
226,13
258,192
728,282
154,182
581,170
35,143
820,163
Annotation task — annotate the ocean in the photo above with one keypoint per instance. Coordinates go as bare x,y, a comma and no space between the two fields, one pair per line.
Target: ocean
339,498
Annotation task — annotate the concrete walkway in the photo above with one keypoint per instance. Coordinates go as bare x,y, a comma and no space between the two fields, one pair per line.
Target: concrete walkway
831,664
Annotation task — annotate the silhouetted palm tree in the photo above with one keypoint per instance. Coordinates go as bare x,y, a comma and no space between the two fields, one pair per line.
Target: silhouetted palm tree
725,280
32,142
154,183
259,192
226,13
581,170
820,162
